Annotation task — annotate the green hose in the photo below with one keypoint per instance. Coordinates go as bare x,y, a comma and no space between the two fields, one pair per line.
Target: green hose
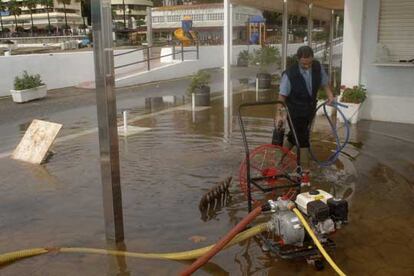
178,256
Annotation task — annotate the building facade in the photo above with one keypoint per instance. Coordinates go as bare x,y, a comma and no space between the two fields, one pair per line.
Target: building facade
135,12
207,21
40,15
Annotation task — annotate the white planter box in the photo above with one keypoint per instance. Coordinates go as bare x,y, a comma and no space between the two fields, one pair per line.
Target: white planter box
351,113
320,112
21,96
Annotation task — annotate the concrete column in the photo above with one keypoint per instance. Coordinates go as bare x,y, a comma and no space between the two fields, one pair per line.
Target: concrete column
107,119
352,45
284,34
310,24
227,57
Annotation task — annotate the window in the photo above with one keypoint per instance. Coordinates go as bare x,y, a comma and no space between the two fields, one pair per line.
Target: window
396,28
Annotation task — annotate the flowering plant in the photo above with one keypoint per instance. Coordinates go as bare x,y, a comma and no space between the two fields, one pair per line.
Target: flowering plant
357,94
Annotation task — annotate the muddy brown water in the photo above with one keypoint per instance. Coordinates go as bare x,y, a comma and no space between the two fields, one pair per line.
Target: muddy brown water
164,173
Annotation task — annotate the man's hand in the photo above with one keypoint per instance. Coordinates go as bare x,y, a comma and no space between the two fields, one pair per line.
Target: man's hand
280,117
331,97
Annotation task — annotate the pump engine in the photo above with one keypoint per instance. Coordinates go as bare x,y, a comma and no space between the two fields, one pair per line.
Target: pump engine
325,214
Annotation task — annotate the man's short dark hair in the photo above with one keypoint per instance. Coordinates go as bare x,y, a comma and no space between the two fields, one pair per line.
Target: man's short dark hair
304,52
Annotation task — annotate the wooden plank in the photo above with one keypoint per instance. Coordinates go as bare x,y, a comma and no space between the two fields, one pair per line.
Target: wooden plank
36,141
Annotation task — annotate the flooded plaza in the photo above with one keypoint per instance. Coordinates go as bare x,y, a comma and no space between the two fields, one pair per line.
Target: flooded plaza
167,169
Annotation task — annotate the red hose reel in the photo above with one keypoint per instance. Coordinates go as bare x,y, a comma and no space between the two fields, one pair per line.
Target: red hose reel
268,161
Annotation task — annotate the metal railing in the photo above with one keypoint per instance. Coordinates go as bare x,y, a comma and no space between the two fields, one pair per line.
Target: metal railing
322,46
148,58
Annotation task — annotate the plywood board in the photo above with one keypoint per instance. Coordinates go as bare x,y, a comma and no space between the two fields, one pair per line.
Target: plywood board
36,141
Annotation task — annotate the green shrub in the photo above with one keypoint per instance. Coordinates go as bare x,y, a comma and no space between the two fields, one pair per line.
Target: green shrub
27,81
322,96
356,94
264,57
243,58
202,78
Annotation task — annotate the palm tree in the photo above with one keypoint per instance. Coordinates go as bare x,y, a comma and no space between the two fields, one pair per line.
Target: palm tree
14,9
85,6
47,4
65,2
30,4
2,9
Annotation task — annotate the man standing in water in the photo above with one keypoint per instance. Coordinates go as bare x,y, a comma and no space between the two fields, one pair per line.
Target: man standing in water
298,89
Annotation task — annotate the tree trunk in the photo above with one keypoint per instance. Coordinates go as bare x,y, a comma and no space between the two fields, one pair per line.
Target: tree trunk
15,22
66,20
31,18
48,19
1,24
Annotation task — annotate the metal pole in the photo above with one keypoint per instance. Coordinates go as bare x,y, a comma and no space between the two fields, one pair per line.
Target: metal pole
226,54
173,50
192,101
182,51
310,24
198,49
331,35
107,121
284,34
149,28
125,115
148,59
231,32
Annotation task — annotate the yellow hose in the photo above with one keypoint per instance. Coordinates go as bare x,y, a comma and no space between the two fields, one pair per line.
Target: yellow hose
185,255
318,244
21,254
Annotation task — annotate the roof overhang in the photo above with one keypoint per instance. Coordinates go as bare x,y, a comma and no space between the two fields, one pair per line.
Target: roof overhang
321,8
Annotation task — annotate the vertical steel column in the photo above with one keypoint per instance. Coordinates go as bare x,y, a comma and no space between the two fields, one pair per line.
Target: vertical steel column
107,122
331,35
198,49
284,34
173,51
149,28
226,54
231,33
310,24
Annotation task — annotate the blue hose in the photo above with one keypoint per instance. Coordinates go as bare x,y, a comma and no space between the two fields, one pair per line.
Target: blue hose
339,147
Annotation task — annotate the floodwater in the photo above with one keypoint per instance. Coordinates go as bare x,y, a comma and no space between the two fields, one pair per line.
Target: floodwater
164,173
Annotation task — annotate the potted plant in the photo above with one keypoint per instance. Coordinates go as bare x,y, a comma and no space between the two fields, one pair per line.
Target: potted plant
353,98
27,88
243,58
264,57
322,97
199,87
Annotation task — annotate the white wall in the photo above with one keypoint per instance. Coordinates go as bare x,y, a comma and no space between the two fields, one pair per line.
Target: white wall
57,70
390,89
210,57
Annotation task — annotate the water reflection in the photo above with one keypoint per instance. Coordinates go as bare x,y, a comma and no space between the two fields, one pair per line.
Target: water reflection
164,173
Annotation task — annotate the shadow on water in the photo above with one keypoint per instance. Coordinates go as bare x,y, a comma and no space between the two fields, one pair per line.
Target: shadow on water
164,173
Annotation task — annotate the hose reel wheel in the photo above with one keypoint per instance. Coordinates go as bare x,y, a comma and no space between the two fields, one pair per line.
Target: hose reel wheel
267,161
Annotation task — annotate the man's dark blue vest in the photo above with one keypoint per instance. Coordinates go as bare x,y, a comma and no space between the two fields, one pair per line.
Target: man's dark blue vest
299,102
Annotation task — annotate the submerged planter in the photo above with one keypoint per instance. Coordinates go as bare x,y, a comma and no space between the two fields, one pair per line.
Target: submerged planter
320,112
264,80
21,96
202,96
351,113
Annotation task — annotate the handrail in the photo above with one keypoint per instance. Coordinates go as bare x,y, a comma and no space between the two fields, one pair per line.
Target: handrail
148,59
